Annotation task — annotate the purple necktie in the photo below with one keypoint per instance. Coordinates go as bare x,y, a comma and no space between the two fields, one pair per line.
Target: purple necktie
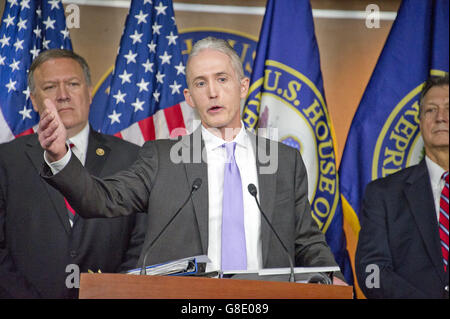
234,254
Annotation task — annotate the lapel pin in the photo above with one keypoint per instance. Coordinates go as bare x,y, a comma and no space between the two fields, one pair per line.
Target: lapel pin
100,151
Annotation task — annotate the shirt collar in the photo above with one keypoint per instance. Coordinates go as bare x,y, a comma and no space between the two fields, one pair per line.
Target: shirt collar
81,139
434,170
212,141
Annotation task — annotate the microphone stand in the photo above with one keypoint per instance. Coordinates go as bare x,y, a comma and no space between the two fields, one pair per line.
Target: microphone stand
195,186
253,191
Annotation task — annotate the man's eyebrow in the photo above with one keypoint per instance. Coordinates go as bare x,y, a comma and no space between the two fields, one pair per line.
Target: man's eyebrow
200,77
221,73
65,80
437,103
216,74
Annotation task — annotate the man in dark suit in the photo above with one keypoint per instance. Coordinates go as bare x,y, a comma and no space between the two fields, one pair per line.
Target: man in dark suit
402,250
43,243
220,152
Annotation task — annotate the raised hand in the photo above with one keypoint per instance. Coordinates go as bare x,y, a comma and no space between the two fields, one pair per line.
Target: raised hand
52,133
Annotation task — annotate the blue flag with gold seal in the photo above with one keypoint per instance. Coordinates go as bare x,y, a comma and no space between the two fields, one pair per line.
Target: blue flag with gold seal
286,98
384,136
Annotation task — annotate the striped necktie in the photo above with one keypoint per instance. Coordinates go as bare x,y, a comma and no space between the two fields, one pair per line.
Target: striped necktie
443,220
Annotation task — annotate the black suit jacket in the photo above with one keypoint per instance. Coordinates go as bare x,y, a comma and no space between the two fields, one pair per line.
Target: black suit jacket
36,240
158,184
399,234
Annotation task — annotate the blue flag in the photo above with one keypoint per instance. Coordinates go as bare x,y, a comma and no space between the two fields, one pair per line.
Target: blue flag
286,94
143,99
384,136
27,28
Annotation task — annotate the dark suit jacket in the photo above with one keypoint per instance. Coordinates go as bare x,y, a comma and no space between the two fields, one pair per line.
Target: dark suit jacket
159,186
36,240
399,234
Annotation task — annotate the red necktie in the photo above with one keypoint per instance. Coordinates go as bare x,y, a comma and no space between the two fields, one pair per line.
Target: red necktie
65,200
69,207
443,221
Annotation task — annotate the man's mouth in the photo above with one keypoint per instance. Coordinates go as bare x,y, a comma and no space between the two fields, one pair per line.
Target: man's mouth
215,108
440,130
64,109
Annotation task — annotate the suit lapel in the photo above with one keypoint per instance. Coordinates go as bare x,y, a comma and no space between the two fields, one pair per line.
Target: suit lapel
96,158
36,155
267,190
420,197
97,153
197,168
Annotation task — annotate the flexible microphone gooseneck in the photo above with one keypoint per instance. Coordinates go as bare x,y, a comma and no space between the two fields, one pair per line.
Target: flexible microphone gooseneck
253,191
195,186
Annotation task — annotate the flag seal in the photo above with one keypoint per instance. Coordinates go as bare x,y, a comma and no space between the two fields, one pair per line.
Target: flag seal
399,143
287,100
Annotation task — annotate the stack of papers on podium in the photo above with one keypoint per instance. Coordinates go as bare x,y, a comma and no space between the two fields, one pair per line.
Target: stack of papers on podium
180,267
301,274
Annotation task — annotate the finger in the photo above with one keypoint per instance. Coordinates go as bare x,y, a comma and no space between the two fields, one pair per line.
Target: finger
49,110
47,125
49,105
47,117
50,130
47,142
45,113
45,122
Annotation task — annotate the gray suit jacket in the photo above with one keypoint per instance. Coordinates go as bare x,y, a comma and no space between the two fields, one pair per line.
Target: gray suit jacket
154,183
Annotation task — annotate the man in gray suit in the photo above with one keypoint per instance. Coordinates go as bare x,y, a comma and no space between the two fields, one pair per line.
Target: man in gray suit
220,152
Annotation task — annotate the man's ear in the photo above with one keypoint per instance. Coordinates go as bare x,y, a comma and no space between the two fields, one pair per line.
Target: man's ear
33,102
245,82
91,89
188,98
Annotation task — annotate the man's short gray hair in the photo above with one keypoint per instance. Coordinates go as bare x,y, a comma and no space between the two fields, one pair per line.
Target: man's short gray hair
221,46
57,54
431,82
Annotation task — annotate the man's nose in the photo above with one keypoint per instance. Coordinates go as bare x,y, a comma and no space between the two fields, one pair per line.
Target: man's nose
212,90
442,114
62,93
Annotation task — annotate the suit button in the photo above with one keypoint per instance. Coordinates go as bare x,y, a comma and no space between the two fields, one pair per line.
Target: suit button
73,253
446,288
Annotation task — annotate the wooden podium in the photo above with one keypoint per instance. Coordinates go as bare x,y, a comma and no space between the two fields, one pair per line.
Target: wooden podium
120,286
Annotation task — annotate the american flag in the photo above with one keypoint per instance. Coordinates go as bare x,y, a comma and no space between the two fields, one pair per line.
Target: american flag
27,28
145,98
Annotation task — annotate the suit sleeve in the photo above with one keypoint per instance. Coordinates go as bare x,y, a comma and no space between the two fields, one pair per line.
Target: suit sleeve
311,247
373,263
137,237
121,194
12,283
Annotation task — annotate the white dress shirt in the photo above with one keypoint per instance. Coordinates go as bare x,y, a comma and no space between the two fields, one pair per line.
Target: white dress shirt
437,183
80,142
246,161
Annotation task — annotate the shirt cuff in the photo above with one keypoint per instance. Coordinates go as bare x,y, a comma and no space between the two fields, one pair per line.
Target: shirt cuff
59,165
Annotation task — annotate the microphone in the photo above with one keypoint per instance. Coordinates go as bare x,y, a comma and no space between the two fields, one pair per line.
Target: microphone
195,186
253,191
